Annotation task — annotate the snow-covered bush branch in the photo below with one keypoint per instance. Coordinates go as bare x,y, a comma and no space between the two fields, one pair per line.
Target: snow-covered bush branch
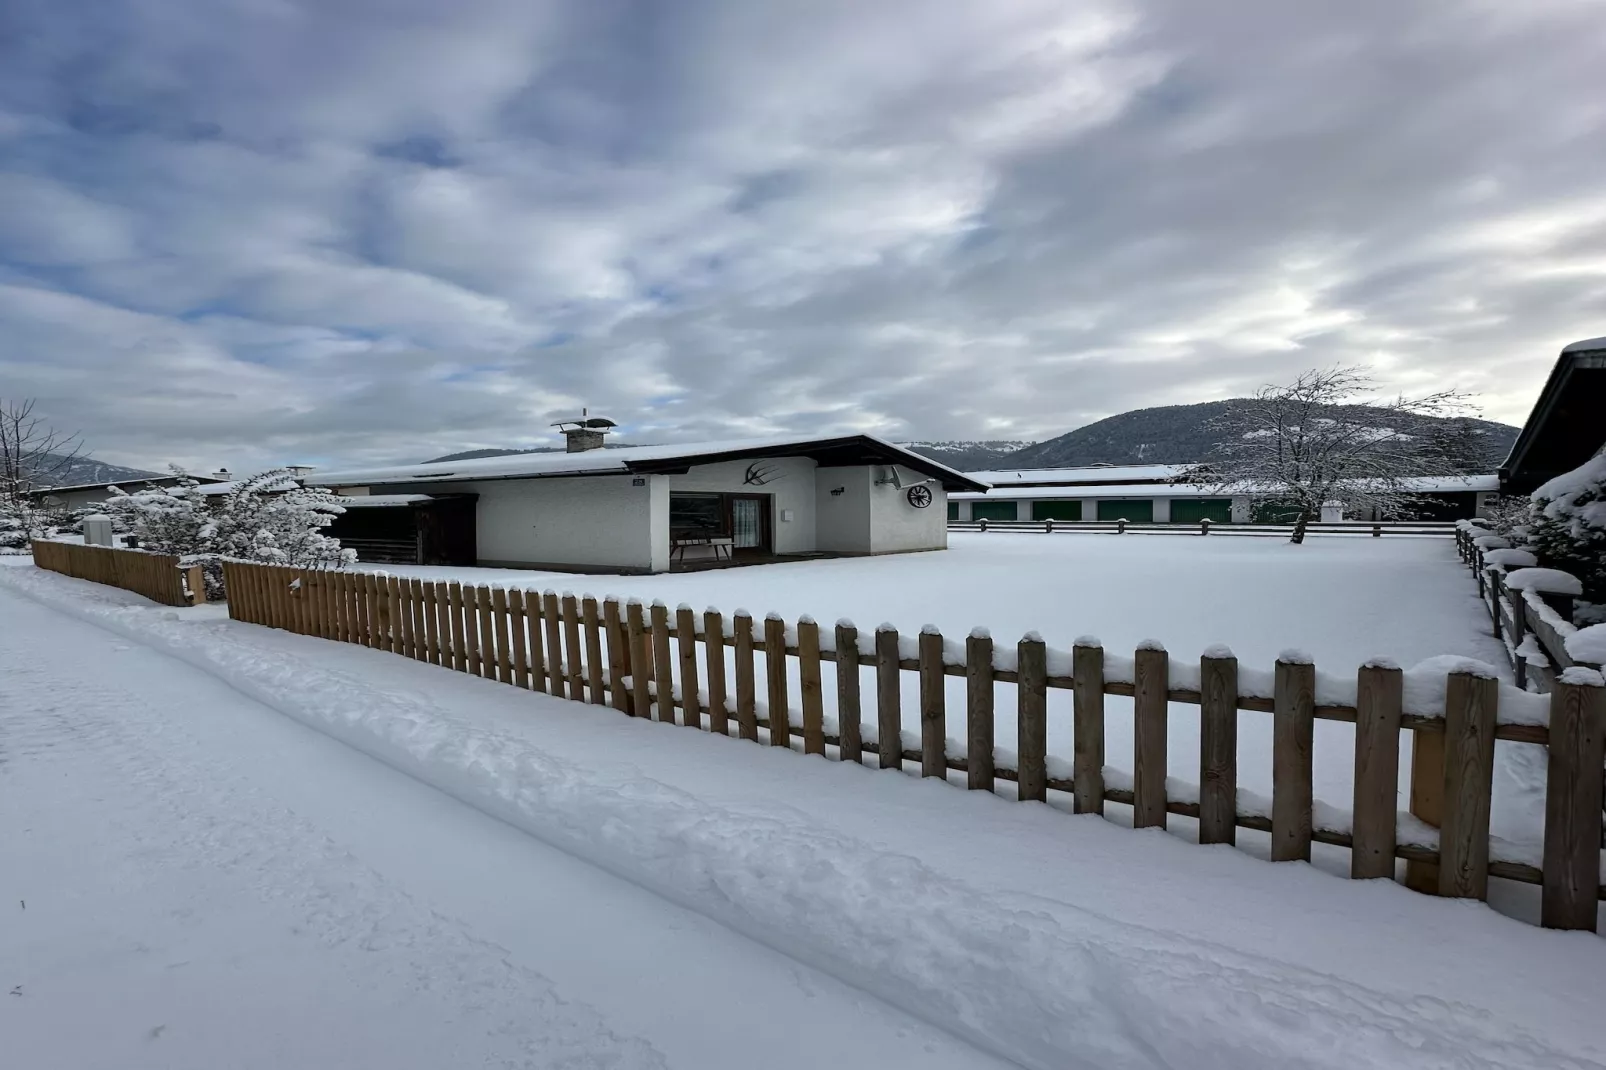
267,517
1567,525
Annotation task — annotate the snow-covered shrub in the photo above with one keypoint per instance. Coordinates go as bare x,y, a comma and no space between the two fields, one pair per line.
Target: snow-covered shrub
14,538
1568,524
267,517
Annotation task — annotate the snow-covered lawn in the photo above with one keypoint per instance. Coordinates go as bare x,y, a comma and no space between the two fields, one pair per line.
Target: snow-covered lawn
1341,600
209,883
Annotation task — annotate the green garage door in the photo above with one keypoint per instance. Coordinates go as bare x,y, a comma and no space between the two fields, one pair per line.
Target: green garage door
1061,510
992,510
953,510
1275,513
1137,510
1193,510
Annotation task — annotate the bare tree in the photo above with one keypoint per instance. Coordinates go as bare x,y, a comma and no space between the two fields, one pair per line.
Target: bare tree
33,455
1321,438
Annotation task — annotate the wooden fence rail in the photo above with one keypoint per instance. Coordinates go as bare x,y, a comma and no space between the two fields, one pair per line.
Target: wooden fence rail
644,661
158,577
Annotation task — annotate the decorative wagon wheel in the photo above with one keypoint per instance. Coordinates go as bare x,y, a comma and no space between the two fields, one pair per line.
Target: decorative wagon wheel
919,497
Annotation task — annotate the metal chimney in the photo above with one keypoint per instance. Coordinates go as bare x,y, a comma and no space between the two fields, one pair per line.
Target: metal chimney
586,433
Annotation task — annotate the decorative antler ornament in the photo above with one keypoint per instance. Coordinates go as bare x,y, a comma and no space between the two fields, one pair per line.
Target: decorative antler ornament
760,474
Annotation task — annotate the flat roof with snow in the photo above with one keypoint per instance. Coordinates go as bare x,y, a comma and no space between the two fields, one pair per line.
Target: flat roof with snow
646,460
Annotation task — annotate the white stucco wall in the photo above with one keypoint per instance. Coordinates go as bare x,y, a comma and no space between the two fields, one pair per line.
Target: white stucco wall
896,526
591,521
842,521
790,487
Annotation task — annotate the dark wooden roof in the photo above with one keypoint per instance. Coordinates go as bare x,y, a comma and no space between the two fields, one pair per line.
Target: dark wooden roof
1567,425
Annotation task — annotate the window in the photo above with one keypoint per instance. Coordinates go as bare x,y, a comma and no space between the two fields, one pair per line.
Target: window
697,516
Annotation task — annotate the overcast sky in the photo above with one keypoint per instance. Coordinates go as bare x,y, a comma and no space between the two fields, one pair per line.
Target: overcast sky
245,232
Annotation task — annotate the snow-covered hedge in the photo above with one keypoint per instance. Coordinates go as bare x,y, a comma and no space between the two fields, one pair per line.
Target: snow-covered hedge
1568,524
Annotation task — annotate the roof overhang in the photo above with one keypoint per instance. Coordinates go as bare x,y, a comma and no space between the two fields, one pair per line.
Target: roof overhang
1565,428
844,452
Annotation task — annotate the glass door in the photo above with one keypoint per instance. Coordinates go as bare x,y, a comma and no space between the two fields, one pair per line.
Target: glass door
747,522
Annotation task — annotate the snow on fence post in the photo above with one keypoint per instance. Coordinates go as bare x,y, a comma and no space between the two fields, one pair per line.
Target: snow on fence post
850,744
518,625
1087,775
1379,691
933,705
1150,702
574,656
686,637
640,662
592,625
1293,732
775,675
888,698
618,655
1218,747
714,649
1469,720
1573,802
663,669
1031,694
979,775
808,674
746,686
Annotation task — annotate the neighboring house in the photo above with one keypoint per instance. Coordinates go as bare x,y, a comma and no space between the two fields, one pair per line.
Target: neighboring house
1568,423
84,494
1144,494
651,508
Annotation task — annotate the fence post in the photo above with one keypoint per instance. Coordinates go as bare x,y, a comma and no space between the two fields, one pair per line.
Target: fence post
415,599
593,632
1293,732
686,639
504,635
775,674
1120,526
1519,628
552,625
519,626
714,651
1573,804
1031,690
1218,747
1427,800
1087,774
1378,702
196,576
663,672
1204,525
850,745
888,696
1150,704
933,705
979,772
808,675
487,632
1048,527
746,687
618,666
640,662
1469,720
981,525
573,653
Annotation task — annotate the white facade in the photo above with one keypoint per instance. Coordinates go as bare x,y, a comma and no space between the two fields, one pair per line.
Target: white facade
609,522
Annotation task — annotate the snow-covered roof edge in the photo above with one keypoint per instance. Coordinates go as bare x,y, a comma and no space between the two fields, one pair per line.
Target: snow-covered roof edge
643,459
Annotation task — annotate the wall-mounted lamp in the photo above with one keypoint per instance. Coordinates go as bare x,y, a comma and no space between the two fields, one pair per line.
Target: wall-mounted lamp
838,490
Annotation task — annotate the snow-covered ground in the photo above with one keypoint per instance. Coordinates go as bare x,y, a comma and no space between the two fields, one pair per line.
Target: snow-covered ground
204,877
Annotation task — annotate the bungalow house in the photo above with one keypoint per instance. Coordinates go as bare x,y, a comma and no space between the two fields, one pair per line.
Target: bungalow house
1568,423
1145,494
653,508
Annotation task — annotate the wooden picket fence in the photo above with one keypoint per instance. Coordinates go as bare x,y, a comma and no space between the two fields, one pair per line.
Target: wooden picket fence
158,577
644,662
1350,529
1514,616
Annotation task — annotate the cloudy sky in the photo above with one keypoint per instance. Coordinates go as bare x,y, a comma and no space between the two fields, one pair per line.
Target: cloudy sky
251,231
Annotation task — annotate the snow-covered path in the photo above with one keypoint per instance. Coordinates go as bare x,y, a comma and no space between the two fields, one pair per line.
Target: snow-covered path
318,908
192,880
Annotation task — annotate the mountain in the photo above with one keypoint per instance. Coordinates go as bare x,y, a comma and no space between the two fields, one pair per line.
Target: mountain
54,470
972,456
1180,434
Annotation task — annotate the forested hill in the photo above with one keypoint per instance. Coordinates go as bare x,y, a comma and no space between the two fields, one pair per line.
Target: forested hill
1174,434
